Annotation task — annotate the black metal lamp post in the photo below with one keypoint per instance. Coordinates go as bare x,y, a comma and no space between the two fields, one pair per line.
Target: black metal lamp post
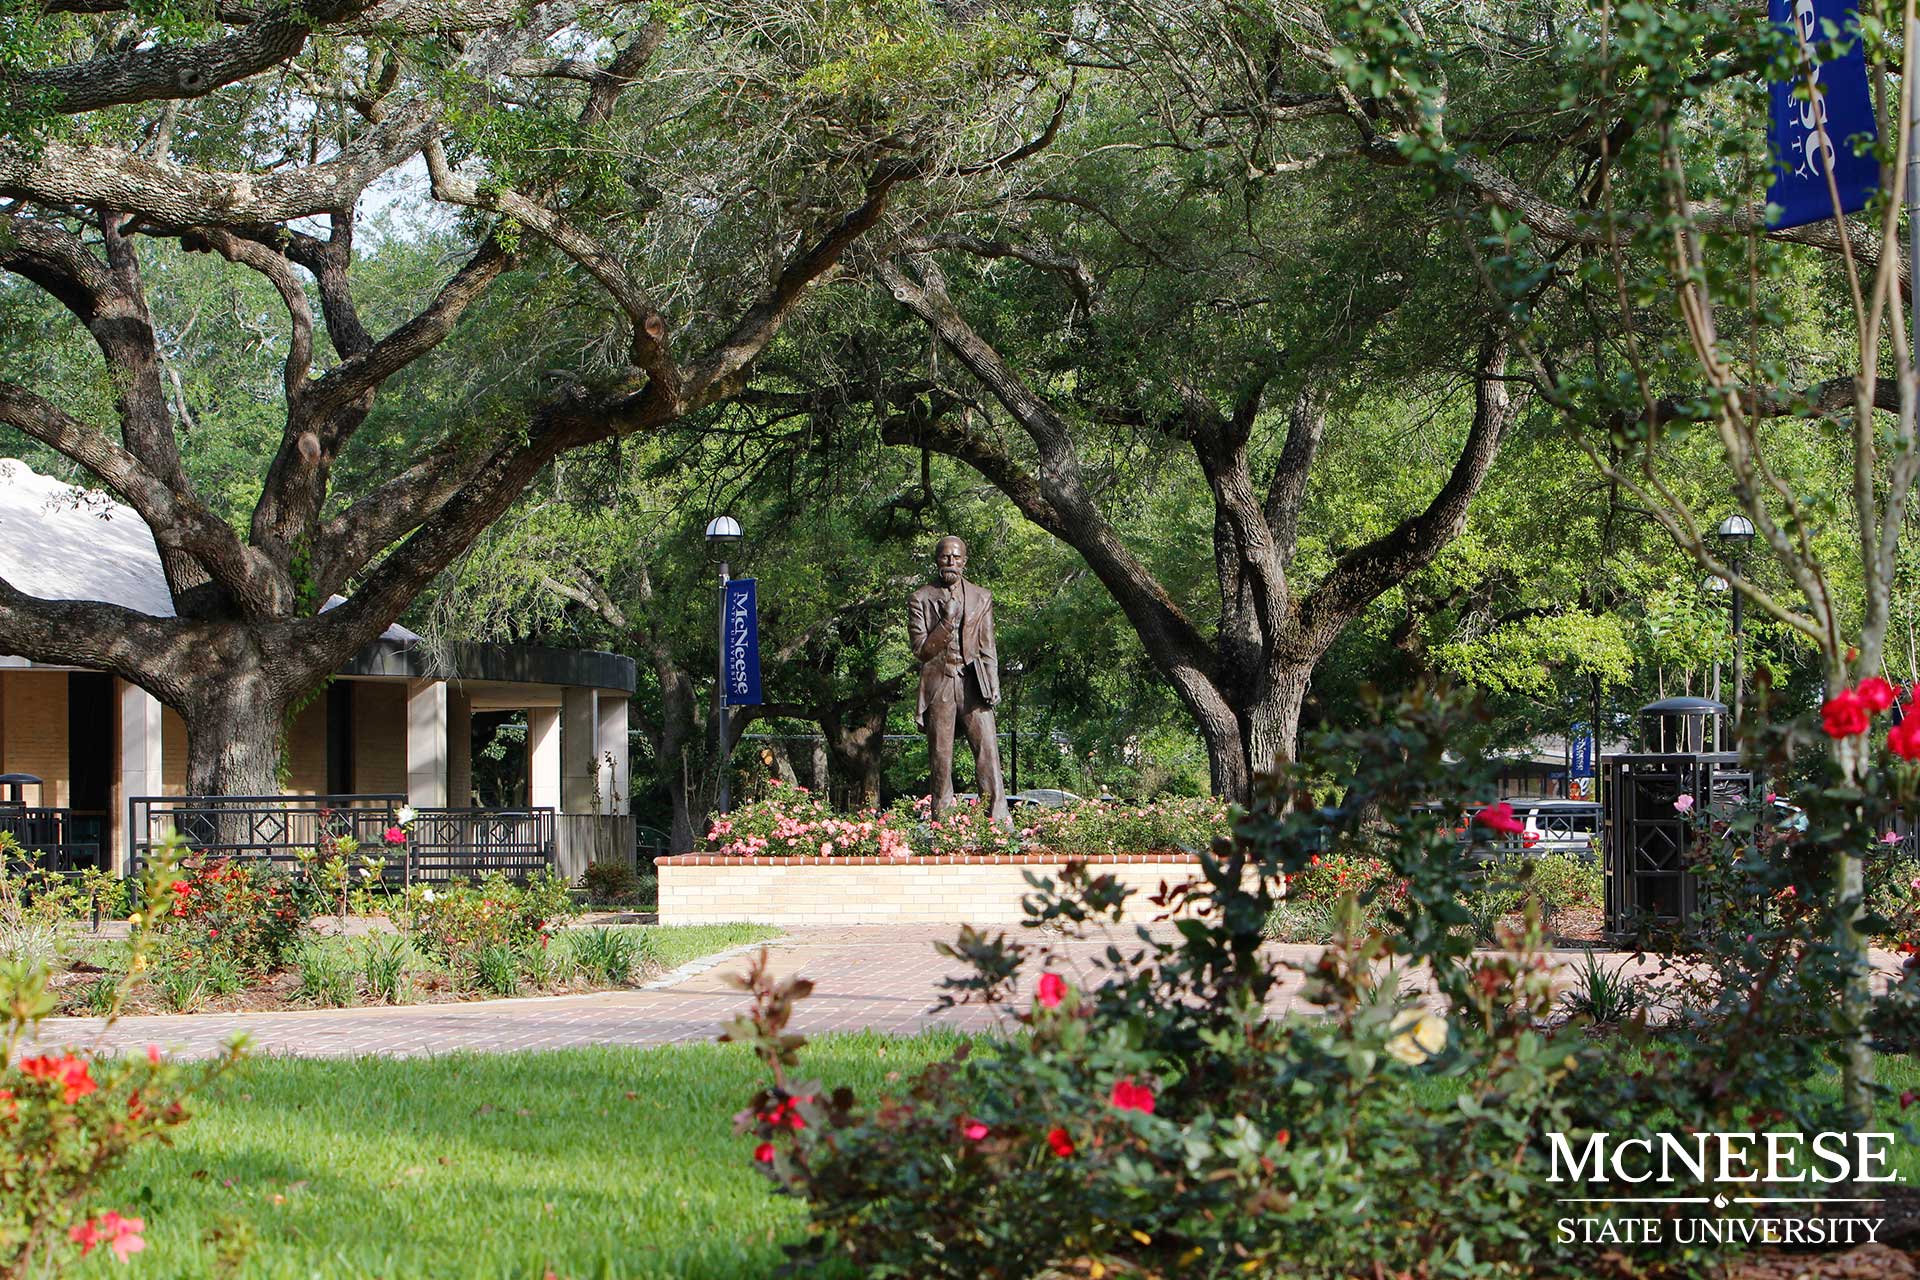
1015,669
1736,531
723,533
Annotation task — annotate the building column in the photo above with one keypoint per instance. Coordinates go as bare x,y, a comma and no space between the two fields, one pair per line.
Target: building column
427,744
614,768
141,756
579,750
543,758
459,749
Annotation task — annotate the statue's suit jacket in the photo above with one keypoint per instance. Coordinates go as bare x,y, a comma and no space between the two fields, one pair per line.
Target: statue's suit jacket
929,637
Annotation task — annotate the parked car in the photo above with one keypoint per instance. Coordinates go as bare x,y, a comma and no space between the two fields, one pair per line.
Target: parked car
1044,798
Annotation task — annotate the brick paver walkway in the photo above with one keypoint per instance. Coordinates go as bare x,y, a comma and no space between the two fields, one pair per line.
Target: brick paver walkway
881,978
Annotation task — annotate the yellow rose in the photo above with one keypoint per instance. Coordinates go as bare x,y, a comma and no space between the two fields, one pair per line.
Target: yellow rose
139,963
134,918
1422,1033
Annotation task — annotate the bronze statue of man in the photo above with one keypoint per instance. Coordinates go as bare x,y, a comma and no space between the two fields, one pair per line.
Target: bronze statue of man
950,626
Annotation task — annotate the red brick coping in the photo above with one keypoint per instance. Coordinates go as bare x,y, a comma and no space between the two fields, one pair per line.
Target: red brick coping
933,860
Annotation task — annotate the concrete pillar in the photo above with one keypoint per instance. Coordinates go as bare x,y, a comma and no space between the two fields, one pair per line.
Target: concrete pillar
427,743
579,750
543,757
613,769
141,759
459,749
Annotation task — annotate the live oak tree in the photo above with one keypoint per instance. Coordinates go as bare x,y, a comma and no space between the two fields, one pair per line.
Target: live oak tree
697,172
1210,263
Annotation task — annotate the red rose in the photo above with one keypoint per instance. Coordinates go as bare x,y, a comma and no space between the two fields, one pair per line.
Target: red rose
1904,738
1876,693
1499,817
764,1153
1844,715
1128,1096
973,1131
1053,988
1062,1144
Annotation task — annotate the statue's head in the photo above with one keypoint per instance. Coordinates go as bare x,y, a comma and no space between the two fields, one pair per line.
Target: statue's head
950,558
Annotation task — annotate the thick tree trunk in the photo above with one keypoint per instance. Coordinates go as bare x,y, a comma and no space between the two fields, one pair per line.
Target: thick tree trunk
1272,724
234,731
854,758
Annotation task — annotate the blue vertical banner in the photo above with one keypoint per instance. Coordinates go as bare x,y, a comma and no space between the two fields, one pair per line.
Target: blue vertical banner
1809,136
1581,764
743,643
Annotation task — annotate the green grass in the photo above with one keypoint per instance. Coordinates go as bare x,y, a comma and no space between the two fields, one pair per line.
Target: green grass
606,1162
672,945
592,1162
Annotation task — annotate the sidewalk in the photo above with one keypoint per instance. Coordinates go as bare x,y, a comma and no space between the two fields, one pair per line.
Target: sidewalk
879,978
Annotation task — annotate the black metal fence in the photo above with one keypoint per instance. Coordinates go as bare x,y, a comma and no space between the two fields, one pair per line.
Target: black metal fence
443,844
62,841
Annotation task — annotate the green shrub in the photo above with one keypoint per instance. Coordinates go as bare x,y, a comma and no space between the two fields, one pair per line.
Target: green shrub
1605,997
606,955
326,975
182,986
1560,882
386,966
496,969
455,922
243,911
1165,1122
549,963
610,883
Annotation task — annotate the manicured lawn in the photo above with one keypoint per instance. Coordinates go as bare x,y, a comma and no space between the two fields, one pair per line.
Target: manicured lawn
668,946
614,1163
590,1162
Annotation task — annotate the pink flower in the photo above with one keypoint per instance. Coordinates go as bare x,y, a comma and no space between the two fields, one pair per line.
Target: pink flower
153,1054
1499,817
122,1235
396,835
1682,803
1892,837
1128,1096
1845,714
973,1131
826,848
1053,988
1061,1143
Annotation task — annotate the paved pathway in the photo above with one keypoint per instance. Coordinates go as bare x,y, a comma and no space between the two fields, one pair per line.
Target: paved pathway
882,978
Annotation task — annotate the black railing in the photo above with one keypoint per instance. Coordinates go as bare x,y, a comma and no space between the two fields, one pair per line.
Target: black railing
443,844
459,844
62,841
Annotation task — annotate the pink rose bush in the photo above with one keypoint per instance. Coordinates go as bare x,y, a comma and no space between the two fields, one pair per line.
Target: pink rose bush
790,822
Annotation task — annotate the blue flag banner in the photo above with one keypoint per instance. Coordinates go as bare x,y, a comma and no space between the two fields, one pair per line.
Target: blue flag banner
743,643
1809,136
1582,753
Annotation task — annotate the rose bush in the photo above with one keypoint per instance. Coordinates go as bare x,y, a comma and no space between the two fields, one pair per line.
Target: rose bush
794,822
1157,1118
69,1116
459,922
238,913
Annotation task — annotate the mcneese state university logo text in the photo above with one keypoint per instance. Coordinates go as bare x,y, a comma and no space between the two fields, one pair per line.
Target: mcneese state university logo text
1767,1188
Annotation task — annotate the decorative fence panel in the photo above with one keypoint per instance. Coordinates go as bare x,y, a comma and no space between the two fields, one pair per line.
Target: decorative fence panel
459,844
446,844
62,841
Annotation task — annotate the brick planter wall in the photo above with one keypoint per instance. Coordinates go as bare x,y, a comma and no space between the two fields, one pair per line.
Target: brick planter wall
700,888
